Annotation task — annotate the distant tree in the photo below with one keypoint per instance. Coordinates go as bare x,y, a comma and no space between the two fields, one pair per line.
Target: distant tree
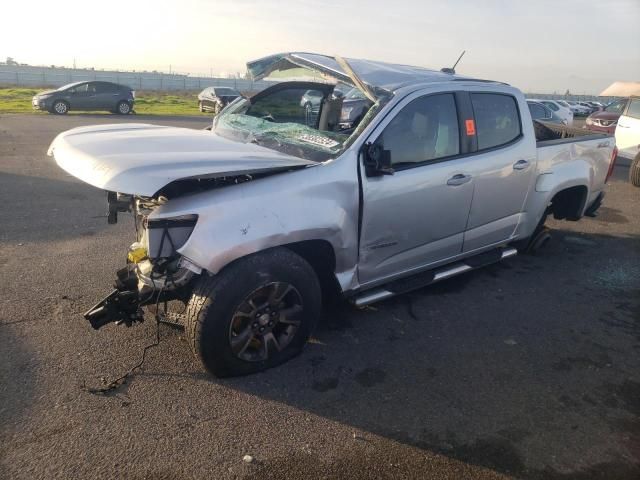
11,61
567,93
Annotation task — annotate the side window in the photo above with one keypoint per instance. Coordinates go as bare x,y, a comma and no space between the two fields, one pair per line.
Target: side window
294,105
552,106
537,112
103,87
634,108
616,107
497,119
425,129
82,88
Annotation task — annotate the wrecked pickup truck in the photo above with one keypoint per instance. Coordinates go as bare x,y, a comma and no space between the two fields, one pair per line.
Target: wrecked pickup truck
257,221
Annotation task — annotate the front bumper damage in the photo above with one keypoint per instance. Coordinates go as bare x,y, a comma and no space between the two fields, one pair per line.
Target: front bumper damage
123,305
148,278
141,284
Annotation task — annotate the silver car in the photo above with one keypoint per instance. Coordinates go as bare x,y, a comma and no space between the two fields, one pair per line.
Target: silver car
252,225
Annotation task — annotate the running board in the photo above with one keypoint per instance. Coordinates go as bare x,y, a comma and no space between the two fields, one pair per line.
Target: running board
432,276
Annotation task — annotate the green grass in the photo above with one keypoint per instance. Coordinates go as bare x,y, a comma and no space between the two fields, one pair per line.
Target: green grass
18,100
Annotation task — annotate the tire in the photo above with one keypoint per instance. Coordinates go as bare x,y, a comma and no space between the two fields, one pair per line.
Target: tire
537,240
223,327
634,171
60,107
123,108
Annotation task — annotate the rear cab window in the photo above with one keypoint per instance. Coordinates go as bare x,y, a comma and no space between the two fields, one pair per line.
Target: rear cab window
497,119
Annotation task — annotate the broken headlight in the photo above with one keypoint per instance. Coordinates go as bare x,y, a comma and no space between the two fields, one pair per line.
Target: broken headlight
167,235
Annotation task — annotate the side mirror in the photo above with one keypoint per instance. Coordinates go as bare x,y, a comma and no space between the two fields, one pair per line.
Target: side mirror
377,161
338,94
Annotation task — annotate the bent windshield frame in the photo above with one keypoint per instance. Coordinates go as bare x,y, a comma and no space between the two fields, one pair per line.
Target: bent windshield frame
296,118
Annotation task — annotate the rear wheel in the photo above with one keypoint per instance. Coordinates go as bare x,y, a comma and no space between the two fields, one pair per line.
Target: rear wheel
123,108
634,171
255,314
540,237
59,107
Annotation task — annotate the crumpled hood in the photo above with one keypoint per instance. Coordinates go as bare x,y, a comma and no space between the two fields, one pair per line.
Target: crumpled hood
140,159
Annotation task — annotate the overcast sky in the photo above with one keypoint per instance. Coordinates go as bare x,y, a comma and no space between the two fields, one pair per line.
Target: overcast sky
536,45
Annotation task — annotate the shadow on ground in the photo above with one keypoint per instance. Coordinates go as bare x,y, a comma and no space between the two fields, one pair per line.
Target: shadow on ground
529,367
38,209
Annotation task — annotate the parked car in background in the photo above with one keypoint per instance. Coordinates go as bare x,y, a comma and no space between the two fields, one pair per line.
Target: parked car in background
354,106
606,120
628,137
597,106
588,106
560,110
351,104
87,96
252,223
578,110
539,111
214,99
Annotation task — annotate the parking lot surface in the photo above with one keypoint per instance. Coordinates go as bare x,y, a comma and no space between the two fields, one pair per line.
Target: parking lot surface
527,369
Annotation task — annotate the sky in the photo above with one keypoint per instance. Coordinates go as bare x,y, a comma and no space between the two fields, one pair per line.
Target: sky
541,46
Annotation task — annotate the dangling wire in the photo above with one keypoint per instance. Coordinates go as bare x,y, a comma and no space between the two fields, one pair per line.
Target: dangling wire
122,379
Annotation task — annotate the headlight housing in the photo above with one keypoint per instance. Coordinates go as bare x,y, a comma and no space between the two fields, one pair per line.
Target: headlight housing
167,235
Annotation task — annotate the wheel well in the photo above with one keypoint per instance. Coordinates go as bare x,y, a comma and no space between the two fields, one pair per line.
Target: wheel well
569,203
322,258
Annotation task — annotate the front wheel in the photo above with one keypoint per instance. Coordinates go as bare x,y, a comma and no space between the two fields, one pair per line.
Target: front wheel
634,171
255,314
59,107
123,108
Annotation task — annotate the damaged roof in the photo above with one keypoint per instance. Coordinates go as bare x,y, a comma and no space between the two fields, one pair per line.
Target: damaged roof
383,76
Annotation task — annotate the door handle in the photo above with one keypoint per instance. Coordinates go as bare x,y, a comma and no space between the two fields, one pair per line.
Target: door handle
458,179
520,165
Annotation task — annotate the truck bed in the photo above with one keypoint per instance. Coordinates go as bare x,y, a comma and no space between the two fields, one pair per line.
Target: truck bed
553,134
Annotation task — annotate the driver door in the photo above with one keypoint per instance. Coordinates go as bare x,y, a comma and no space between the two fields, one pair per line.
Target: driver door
417,216
80,97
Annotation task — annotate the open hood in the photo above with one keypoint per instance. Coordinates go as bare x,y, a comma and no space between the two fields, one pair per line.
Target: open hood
140,159
378,77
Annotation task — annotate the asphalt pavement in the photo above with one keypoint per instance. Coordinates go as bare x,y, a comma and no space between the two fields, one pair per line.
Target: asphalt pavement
527,369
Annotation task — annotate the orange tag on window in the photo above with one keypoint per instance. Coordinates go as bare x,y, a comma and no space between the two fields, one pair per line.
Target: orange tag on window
471,127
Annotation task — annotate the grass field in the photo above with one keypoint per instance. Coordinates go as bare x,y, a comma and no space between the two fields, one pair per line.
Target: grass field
18,100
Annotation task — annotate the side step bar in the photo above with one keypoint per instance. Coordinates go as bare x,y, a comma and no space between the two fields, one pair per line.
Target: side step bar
432,276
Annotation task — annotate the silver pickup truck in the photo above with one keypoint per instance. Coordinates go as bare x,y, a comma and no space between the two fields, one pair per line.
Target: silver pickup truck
256,221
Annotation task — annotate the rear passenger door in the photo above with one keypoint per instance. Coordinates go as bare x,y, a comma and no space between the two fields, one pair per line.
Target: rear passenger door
107,96
502,169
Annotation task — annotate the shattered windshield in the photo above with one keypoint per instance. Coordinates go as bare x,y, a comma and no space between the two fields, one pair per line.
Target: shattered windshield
300,120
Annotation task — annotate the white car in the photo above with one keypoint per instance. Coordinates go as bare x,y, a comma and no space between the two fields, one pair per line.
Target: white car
628,137
564,112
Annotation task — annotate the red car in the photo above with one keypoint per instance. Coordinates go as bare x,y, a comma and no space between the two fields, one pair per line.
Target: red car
606,120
